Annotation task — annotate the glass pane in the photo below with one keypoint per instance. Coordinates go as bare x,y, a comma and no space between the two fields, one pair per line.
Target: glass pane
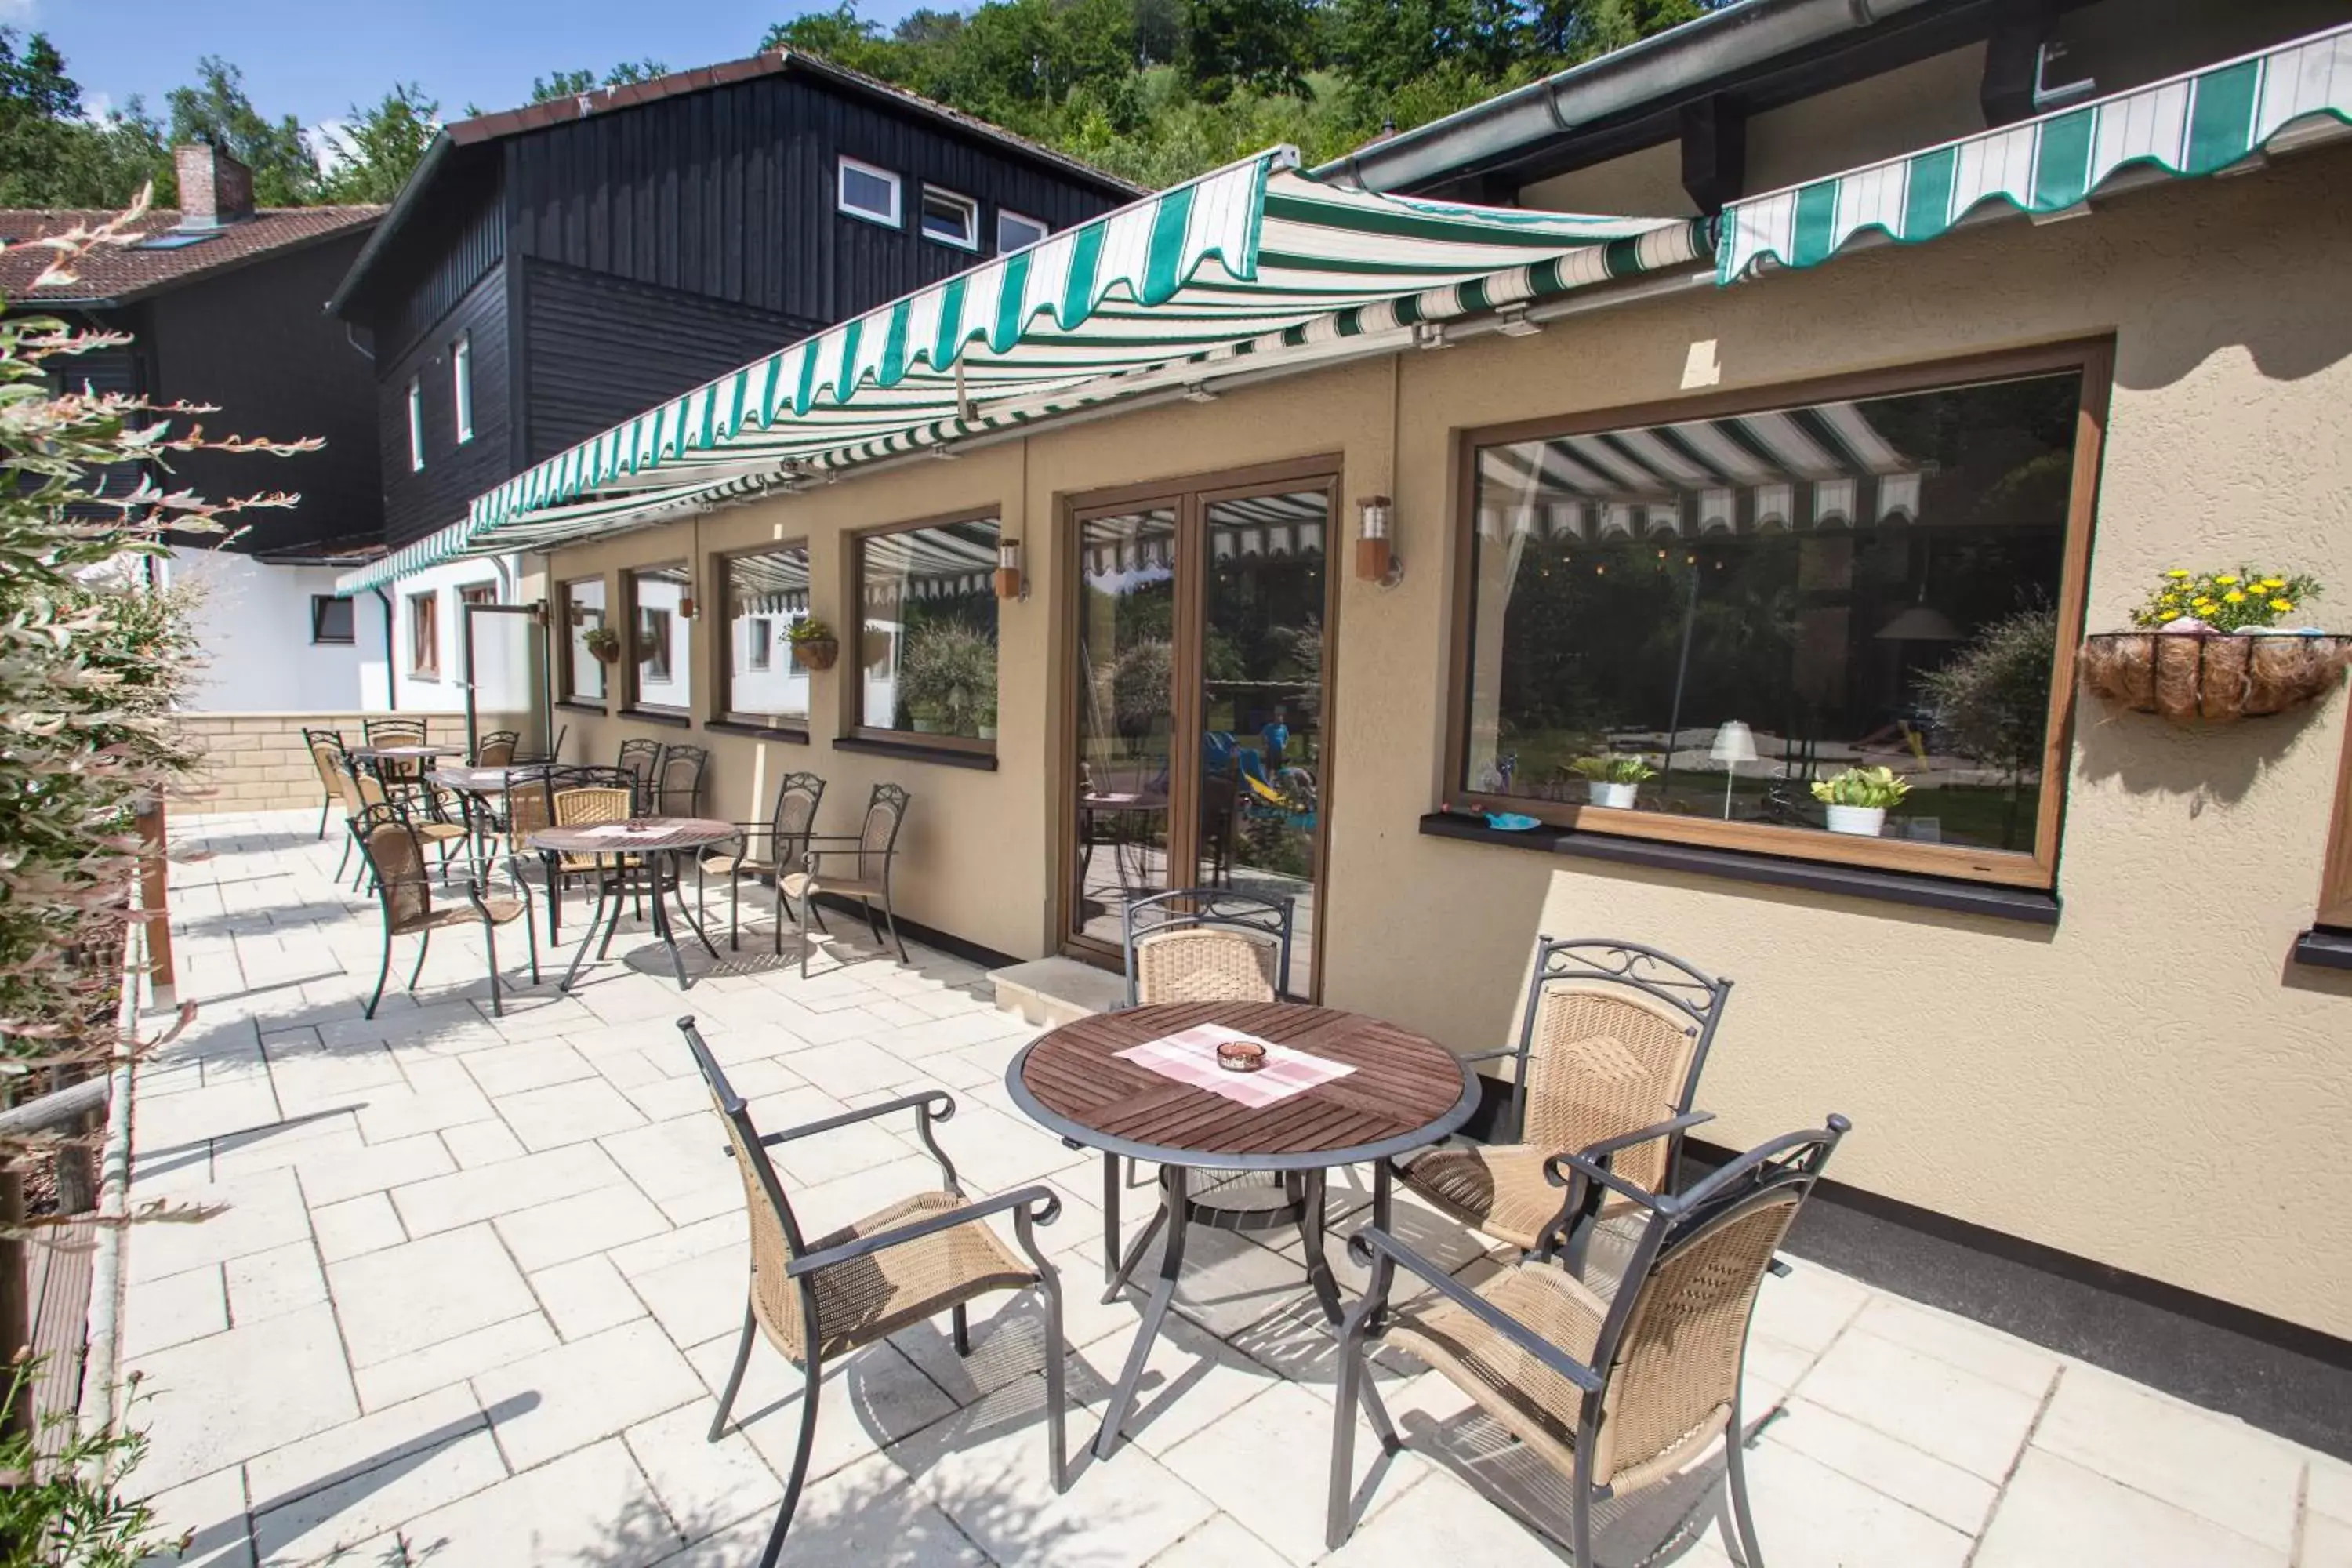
1711,618
866,191
767,594
1262,706
665,674
1126,705
930,630
584,612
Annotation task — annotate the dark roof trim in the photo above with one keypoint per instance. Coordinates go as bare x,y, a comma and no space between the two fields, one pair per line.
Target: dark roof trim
1737,39
483,129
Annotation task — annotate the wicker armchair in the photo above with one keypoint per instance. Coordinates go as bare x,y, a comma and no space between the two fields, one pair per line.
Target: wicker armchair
924,1255
641,760
364,790
393,848
1611,1044
872,851
678,781
497,749
326,748
768,848
1616,1394
396,733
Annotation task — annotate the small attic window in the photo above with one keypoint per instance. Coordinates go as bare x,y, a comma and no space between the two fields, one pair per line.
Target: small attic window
170,239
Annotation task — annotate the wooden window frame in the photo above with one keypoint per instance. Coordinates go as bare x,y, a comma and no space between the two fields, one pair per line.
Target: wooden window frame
853,688
424,636
842,165
461,384
2335,877
567,666
2093,359
963,204
1045,230
722,708
681,646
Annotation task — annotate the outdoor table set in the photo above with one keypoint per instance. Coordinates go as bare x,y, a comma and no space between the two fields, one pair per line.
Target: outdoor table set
648,839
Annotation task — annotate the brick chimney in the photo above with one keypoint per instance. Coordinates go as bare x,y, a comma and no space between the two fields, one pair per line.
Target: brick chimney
215,189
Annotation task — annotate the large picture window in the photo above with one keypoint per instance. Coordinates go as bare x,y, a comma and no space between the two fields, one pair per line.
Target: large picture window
928,653
1693,626
767,594
584,612
663,673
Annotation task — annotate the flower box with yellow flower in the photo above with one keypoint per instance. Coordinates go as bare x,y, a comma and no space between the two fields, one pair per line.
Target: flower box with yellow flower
2212,648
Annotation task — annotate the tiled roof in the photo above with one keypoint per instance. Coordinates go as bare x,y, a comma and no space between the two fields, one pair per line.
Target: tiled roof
119,272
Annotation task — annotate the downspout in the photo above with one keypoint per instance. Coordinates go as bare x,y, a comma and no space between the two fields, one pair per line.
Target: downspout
390,671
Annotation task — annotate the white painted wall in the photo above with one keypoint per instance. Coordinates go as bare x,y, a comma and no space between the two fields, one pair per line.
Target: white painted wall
778,690
502,670
254,626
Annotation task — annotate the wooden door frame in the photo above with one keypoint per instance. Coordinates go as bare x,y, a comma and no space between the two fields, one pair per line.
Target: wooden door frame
1189,495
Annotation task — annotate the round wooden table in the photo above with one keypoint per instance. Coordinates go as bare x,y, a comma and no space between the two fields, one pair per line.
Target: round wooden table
642,835
1405,1092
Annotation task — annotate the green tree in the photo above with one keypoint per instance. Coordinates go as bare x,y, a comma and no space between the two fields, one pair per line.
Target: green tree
845,37
216,110
50,153
381,146
571,84
1266,44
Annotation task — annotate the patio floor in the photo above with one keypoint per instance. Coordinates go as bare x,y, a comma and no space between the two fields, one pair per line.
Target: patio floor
466,1289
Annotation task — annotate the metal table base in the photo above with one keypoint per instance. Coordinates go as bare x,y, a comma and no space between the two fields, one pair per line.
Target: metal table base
614,890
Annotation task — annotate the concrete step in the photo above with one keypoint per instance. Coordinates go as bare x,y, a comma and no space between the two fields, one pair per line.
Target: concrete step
1050,992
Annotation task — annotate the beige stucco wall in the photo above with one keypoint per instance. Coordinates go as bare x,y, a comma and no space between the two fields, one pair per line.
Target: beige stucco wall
2151,1084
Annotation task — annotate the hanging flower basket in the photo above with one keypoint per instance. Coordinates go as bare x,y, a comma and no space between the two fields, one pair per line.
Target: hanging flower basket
2214,677
603,644
815,653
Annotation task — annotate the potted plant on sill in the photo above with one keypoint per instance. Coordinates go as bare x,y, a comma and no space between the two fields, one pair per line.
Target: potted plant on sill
812,643
1858,799
2213,647
603,643
1614,780
947,680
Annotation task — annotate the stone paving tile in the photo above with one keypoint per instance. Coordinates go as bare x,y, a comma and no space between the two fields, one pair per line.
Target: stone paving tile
210,1511
535,1213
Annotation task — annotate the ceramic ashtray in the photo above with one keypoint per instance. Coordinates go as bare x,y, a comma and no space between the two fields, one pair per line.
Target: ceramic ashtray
1240,1055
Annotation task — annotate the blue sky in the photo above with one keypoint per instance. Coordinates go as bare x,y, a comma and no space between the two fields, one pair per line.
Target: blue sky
315,61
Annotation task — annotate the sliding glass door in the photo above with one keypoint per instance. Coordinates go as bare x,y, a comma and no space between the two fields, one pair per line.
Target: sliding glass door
1197,739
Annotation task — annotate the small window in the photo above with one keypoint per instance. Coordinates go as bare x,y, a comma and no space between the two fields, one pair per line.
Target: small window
767,593
951,219
415,426
331,619
424,636
584,612
1014,231
928,654
461,383
868,193
479,593
665,679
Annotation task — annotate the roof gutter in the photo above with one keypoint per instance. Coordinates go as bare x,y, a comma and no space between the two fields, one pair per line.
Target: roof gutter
402,205
1655,70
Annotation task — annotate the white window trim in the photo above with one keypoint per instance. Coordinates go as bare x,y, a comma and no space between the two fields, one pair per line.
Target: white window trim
1044,230
415,426
970,211
461,383
840,193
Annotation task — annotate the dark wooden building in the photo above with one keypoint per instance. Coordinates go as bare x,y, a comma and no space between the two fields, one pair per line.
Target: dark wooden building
551,270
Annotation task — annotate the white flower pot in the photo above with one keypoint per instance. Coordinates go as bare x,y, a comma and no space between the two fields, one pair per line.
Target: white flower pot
1619,795
1869,821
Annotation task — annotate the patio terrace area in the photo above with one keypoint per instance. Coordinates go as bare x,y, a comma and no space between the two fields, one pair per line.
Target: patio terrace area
466,1286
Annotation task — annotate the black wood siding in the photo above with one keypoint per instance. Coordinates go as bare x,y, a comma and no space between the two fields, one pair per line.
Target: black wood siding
445,252
730,192
597,349
418,502
256,342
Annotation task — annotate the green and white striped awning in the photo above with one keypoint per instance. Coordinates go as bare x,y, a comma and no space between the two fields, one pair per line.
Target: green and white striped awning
2198,123
1254,261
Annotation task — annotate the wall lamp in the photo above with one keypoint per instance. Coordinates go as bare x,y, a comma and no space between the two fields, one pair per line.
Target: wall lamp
1376,557
1011,583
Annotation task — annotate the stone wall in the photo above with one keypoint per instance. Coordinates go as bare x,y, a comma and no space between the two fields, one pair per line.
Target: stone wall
257,761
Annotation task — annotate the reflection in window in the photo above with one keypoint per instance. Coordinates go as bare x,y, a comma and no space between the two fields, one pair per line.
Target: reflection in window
929,633
767,593
1724,612
1126,714
663,679
584,612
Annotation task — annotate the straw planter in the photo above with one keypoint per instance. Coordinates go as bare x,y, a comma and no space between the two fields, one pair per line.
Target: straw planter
2212,677
817,653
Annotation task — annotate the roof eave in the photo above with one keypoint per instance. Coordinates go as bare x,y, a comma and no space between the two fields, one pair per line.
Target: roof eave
391,223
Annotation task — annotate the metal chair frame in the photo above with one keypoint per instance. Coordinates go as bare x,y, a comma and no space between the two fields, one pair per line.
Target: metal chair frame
664,793
389,814
885,796
1218,909
1030,1207
312,741
642,759
782,861
496,749
1764,1175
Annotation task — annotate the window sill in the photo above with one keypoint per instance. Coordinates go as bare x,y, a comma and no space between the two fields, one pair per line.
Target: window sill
2027,905
750,727
583,705
657,716
915,750
2325,947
